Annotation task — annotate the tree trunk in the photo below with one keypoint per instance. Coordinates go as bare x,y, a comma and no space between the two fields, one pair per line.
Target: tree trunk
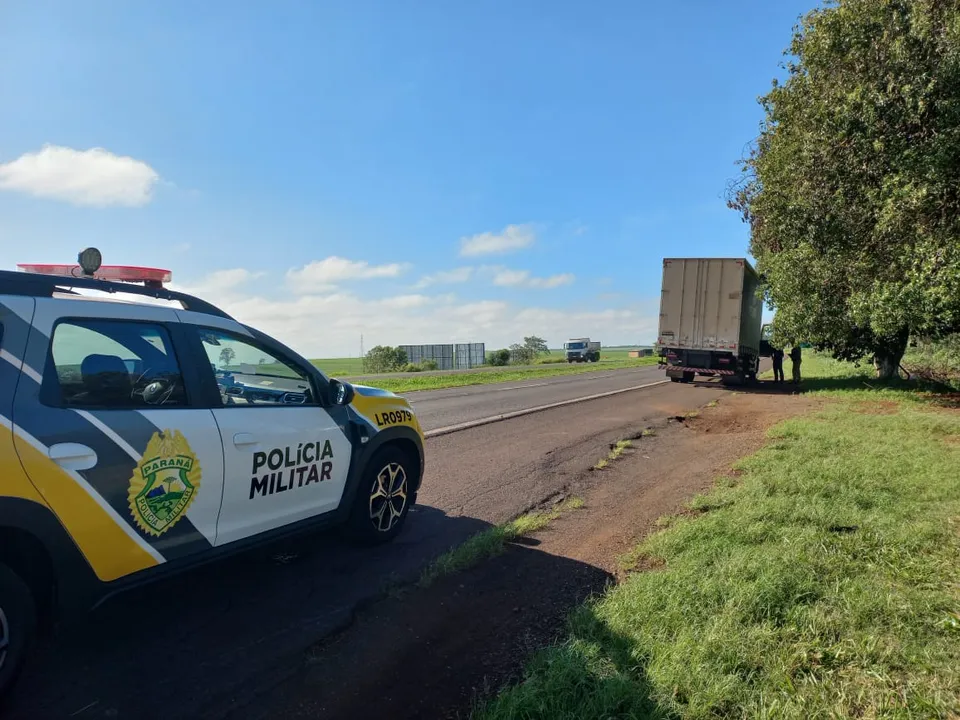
887,357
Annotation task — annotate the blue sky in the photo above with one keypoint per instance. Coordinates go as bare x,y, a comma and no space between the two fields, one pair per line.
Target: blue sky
324,169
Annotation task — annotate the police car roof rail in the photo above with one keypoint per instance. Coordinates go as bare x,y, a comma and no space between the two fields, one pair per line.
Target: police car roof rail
35,285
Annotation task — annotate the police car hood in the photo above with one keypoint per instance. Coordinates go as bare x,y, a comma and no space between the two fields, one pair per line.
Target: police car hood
373,392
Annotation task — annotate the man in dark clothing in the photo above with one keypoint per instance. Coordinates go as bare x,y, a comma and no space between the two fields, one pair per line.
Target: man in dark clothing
777,365
795,356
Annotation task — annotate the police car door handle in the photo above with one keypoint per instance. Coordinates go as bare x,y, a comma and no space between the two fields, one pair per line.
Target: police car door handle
72,456
244,439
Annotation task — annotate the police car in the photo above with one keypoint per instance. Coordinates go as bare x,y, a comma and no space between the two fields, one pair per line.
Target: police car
138,438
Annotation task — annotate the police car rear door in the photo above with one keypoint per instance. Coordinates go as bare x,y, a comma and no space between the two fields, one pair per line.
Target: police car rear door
110,434
286,459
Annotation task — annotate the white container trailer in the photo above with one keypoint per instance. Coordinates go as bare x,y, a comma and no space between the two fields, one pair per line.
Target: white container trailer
710,319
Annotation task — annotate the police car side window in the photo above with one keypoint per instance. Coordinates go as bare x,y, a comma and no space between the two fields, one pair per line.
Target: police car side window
116,364
249,376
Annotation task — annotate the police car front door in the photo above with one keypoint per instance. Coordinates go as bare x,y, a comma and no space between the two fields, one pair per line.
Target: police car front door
285,459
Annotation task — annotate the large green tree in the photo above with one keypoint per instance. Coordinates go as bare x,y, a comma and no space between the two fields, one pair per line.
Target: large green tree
852,190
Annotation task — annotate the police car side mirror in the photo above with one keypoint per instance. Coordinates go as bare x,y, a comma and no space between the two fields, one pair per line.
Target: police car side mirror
343,392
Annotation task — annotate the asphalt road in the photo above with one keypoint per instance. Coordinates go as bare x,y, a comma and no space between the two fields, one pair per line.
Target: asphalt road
441,408
207,643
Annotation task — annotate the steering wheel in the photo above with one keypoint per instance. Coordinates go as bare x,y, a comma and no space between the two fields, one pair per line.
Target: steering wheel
152,392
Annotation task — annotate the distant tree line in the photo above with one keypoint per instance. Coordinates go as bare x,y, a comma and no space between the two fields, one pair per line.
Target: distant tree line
385,359
525,353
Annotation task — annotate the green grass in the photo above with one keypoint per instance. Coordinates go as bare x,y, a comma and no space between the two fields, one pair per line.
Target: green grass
619,448
609,359
340,367
824,582
484,377
492,541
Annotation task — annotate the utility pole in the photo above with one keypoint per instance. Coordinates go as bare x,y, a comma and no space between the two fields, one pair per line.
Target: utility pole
361,346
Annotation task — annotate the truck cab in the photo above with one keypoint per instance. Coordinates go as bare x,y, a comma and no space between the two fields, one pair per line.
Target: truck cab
581,350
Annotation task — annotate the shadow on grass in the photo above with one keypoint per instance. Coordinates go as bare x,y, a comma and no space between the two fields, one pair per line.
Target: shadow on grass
923,391
595,674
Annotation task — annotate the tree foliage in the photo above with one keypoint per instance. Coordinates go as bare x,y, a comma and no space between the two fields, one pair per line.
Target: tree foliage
227,355
384,358
852,191
500,358
532,348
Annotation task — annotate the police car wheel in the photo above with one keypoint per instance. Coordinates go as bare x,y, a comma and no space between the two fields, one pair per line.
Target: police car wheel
18,622
383,498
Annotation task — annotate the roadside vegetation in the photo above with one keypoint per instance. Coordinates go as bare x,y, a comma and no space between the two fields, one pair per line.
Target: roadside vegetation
493,541
484,377
354,367
616,452
937,362
421,377
851,190
824,581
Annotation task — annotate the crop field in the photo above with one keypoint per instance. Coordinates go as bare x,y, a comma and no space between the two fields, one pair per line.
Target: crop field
353,367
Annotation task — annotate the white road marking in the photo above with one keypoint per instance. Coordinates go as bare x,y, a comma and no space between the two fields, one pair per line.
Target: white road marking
490,388
529,411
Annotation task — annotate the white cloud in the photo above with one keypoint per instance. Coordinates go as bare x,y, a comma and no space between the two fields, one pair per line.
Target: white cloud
94,177
323,275
446,277
223,281
522,278
513,237
330,325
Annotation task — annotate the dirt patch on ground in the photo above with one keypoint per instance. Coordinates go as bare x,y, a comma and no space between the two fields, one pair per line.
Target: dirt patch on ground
952,440
947,401
876,407
432,653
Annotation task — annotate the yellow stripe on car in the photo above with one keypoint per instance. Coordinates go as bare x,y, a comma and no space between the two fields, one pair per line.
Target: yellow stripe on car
15,483
107,545
384,412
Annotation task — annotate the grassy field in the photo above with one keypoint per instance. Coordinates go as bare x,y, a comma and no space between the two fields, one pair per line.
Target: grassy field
419,381
823,582
353,367
340,367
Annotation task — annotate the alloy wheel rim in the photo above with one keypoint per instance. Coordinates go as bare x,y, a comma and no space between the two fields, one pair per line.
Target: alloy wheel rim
388,497
4,638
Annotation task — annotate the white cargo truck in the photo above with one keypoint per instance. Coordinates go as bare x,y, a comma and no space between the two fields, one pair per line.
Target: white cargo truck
582,350
710,319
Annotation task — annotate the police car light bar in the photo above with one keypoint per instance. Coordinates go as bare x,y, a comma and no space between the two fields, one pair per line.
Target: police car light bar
151,277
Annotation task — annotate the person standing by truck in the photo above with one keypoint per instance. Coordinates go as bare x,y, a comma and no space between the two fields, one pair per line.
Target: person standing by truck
795,357
777,365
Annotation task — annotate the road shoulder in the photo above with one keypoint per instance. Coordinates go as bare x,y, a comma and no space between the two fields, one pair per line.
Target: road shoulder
434,652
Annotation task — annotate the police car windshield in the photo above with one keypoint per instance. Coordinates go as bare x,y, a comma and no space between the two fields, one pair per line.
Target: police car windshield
230,355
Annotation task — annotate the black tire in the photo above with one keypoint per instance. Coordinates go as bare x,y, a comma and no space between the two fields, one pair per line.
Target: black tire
18,625
377,518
